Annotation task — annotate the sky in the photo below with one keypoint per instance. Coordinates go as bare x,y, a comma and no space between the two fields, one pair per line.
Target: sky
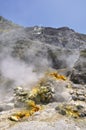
50,13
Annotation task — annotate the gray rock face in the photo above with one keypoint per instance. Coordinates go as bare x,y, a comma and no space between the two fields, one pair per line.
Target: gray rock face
62,37
79,73
26,54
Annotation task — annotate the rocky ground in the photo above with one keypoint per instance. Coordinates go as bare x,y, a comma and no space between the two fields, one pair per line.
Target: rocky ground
42,78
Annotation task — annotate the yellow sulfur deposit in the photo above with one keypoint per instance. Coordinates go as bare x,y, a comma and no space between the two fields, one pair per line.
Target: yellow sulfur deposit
20,115
32,108
57,76
42,93
71,110
34,92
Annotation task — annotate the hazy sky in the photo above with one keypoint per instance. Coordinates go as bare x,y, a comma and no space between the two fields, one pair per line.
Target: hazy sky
54,13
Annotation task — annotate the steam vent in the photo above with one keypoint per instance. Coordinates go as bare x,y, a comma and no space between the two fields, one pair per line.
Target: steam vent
42,78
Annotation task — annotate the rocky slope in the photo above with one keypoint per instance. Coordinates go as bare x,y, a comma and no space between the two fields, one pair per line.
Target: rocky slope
26,54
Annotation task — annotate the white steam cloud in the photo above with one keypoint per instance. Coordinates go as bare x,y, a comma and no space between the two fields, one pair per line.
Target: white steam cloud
18,71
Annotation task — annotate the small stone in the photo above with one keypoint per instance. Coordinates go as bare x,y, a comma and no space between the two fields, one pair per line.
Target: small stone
13,118
23,94
74,98
82,114
79,107
75,110
80,92
81,98
71,92
57,108
63,112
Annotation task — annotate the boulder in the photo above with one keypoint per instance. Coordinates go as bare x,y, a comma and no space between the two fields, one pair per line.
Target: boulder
78,75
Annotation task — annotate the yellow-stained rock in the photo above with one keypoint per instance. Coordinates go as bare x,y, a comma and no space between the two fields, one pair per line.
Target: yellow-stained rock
57,76
32,108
